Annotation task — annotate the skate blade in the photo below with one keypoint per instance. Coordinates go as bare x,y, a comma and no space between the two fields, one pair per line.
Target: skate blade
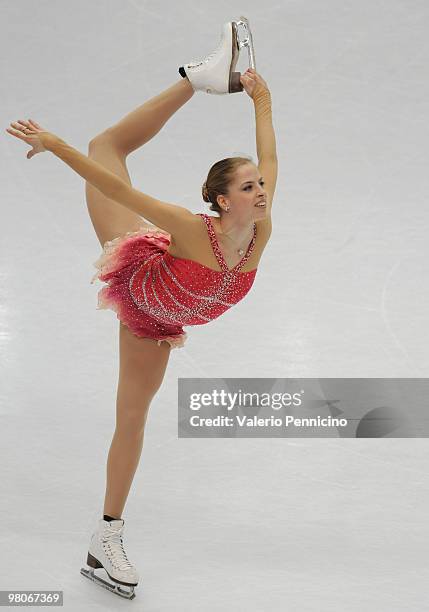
112,587
247,41
234,84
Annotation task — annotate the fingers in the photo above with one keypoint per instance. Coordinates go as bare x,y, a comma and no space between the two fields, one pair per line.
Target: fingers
15,133
18,128
24,128
29,124
254,74
21,130
19,125
35,124
256,78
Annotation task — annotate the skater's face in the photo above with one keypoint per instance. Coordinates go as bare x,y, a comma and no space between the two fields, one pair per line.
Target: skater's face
247,190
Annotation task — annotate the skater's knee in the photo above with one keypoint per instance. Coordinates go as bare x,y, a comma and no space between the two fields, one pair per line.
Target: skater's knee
131,419
102,139
132,406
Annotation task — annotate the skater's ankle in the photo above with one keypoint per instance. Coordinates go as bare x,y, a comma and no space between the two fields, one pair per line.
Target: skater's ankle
108,518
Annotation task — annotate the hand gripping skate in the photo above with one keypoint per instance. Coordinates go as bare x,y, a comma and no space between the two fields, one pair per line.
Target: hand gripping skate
215,74
106,551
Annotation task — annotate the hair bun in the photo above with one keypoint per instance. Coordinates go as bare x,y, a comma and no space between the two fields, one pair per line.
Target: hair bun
205,192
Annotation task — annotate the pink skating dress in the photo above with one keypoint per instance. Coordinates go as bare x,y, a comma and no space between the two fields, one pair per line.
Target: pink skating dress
155,293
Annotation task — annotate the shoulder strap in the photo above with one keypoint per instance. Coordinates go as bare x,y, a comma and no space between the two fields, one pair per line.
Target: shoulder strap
214,242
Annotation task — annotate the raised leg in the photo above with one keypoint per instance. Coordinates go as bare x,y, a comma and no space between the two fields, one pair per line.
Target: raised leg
111,149
145,121
142,368
109,218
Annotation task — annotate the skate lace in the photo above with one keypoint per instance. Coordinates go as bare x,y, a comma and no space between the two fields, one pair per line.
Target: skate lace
113,546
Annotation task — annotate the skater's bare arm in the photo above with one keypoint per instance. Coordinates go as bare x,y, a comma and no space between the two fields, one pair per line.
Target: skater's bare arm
265,137
258,90
174,219
41,140
170,217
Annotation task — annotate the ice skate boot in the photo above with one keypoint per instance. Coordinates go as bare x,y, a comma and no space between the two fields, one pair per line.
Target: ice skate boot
106,551
215,74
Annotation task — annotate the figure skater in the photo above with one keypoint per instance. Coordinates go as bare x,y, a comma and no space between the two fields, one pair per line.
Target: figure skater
181,269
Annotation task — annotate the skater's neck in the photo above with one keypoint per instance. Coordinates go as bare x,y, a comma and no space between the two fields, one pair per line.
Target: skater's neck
234,230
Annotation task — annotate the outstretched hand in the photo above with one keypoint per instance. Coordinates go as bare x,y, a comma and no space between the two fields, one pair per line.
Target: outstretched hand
33,134
252,82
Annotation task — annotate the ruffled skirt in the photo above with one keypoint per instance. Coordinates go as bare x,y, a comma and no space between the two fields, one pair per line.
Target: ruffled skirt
116,265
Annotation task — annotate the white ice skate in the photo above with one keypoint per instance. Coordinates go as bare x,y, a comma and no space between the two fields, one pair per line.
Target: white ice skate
215,74
106,551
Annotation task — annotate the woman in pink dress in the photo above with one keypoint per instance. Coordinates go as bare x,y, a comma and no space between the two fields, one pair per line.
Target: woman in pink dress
180,269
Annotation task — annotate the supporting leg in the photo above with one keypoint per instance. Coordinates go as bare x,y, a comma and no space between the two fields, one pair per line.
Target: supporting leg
142,368
123,459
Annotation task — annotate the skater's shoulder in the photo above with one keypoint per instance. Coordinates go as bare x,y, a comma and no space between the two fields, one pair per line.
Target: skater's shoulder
188,237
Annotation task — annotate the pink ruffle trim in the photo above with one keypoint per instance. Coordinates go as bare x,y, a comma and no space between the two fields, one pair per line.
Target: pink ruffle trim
115,257
175,342
103,303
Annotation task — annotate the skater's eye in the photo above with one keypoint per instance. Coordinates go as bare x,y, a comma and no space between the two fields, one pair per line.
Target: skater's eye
261,182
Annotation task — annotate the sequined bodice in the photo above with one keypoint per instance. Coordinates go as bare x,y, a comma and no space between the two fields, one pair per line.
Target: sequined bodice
181,291
217,251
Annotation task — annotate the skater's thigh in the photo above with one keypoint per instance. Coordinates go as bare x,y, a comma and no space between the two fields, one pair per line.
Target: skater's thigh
142,364
109,218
